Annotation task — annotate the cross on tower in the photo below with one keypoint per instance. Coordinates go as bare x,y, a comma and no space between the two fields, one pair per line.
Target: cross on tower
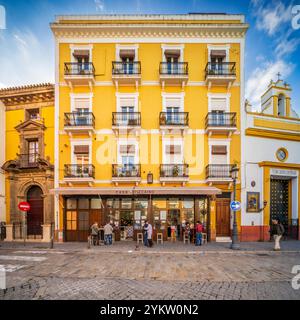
278,75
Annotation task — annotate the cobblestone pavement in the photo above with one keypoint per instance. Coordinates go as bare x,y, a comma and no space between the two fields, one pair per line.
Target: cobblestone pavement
164,272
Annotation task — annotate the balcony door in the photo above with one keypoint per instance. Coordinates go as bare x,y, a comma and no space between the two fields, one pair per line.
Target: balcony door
218,118
173,115
128,63
127,114
81,161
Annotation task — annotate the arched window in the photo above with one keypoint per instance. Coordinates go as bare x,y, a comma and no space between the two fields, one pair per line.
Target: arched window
281,105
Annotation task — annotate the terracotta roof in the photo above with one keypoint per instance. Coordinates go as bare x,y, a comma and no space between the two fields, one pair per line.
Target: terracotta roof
26,88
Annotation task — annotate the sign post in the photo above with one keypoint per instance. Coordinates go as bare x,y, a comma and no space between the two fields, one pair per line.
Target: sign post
24,207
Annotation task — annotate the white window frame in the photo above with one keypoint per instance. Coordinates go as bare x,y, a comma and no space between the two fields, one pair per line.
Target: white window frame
120,96
166,96
170,141
125,142
74,96
218,47
226,96
219,142
81,142
179,47
120,47
81,47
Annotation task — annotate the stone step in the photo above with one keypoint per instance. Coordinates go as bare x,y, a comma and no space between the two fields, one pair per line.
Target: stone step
223,239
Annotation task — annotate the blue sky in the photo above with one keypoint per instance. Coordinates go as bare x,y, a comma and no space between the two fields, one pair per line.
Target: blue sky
273,45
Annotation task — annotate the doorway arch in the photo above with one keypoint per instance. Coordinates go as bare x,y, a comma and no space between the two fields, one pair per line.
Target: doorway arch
35,217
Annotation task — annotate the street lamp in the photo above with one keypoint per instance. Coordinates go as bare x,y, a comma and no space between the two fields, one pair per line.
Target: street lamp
234,244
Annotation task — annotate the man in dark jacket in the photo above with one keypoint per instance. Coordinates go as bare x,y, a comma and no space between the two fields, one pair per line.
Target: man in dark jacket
277,231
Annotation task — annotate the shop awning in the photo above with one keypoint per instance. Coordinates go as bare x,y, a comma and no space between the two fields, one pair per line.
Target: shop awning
119,191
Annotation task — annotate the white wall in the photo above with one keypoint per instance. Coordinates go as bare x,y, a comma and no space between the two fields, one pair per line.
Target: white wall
2,160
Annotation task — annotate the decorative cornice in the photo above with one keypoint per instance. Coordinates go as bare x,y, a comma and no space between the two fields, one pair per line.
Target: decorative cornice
85,31
27,94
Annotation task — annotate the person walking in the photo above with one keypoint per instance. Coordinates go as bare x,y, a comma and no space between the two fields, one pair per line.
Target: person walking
277,231
145,234
108,231
95,233
199,230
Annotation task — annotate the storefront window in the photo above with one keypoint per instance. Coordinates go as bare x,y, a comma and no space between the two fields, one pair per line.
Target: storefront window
203,210
113,203
83,221
159,203
141,204
188,203
126,203
71,220
83,203
174,203
96,203
71,203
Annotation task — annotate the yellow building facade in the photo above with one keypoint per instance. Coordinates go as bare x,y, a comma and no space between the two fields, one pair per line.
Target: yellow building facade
28,164
147,122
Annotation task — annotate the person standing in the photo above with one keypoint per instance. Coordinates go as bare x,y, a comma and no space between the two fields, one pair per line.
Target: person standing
108,230
199,230
95,233
149,234
277,231
145,234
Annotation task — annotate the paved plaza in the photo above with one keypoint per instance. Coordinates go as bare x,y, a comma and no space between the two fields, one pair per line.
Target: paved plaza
168,271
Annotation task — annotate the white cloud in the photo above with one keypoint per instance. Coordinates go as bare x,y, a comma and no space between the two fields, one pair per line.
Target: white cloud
260,79
286,46
24,59
272,17
99,5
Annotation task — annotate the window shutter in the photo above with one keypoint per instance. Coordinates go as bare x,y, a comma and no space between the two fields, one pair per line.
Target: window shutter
172,53
81,149
219,150
81,53
218,53
218,104
127,149
127,102
173,149
127,53
81,103
173,102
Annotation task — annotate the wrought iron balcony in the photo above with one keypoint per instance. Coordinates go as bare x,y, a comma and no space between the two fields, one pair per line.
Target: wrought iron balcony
173,68
79,69
126,170
174,119
79,171
218,171
126,68
29,160
174,171
220,119
173,73
125,119
79,119
220,69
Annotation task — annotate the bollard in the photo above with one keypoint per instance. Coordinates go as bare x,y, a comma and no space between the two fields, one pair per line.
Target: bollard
52,243
89,242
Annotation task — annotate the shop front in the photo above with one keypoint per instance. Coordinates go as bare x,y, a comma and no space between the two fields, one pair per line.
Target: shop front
128,213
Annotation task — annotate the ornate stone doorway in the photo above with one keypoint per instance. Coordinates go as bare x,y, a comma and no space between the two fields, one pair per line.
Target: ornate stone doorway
35,217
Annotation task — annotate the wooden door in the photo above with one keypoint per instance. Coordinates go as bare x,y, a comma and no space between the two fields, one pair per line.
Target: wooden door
35,216
223,218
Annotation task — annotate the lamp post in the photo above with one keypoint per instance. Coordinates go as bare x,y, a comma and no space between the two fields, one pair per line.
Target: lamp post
234,244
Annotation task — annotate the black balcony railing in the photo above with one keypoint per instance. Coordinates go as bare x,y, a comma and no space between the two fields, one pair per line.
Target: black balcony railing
126,170
126,119
79,171
220,69
29,160
220,119
174,119
174,170
79,119
79,69
126,68
174,68
219,171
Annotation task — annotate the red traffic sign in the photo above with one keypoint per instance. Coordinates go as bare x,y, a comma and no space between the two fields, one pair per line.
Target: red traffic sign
24,206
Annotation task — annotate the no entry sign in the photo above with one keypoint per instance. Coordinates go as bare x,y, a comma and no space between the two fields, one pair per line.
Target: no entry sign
24,206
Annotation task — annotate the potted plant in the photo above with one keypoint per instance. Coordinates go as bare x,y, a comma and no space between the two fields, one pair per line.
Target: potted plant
175,171
163,119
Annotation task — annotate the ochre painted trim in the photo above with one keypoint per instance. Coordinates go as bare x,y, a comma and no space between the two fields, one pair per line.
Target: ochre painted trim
272,134
276,124
261,114
266,188
279,164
